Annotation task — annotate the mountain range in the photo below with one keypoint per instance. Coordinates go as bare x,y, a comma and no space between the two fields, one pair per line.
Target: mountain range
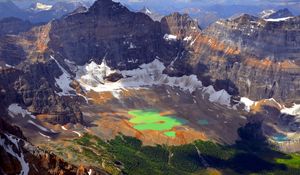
38,12
106,90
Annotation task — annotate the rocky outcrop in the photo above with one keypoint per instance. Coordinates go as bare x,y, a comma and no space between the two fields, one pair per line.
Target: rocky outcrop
29,78
17,155
35,88
179,25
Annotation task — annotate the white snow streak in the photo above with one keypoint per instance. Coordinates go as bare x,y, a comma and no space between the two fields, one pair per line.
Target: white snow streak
278,19
78,133
15,109
39,126
63,81
64,128
20,157
90,172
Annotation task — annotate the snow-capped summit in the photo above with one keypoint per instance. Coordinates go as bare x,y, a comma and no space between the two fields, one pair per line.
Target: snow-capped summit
272,14
41,7
266,13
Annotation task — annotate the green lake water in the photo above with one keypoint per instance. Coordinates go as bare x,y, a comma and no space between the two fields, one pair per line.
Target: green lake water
152,120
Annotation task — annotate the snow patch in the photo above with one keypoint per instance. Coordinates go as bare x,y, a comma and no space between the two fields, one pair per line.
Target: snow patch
221,96
78,133
48,137
188,38
294,110
147,11
64,128
90,172
40,6
266,13
278,19
15,109
132,46
91,77
247,102
169,37
19,156
147,75
193,42
39,126
63,81
9,66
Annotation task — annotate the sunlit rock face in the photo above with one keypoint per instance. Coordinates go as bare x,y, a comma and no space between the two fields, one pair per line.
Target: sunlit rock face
277,39
260,57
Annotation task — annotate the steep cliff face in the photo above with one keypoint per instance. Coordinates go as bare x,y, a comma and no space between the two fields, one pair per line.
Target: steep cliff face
180,25
259,58
263,38
109,30
29,79
38,93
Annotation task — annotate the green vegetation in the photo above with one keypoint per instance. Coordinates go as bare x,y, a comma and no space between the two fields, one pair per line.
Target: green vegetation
170,133
292,161
127,155
152,120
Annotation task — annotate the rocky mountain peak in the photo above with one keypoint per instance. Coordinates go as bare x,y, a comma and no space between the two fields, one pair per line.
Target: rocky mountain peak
107,7
245,18
181,25
282,13
152,14
146,10
80,9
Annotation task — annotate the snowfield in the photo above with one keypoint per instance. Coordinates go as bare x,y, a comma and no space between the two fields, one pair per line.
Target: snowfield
15,109
92,77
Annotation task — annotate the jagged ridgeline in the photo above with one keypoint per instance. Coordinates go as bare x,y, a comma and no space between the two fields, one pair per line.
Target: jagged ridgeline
106,90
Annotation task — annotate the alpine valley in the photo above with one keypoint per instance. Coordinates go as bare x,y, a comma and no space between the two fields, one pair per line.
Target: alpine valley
107,90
